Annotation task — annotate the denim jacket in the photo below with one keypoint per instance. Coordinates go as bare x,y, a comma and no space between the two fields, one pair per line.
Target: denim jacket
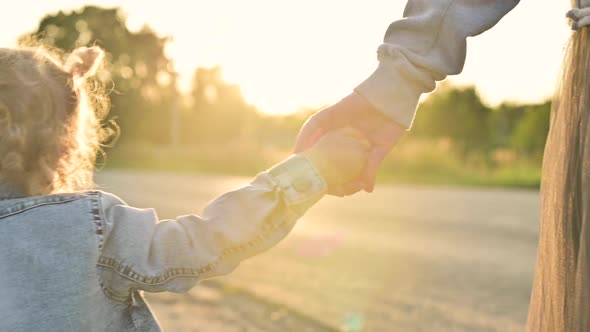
78,262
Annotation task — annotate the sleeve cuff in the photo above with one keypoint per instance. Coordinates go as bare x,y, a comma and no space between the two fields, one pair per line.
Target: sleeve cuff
299,180
395,88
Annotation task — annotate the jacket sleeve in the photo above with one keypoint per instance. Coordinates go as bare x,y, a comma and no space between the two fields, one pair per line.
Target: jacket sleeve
425,46
141,253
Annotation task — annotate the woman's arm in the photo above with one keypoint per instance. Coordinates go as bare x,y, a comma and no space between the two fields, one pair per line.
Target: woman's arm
425,46
428,44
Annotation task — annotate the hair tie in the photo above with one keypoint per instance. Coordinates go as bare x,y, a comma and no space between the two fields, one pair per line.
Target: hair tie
579,17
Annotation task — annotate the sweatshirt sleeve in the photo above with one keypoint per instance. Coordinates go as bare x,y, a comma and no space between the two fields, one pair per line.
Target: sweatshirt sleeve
141,252
425,46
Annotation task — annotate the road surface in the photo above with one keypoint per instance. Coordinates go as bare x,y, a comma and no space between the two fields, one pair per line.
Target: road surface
402,259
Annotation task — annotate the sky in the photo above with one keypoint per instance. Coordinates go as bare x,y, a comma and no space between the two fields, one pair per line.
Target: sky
288,55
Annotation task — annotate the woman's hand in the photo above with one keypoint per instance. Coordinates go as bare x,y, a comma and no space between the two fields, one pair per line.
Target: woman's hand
356,112
340,156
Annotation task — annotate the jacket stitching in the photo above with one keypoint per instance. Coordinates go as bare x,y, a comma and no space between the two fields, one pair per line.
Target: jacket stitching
24,208
171,273
133,301
112,294
98,221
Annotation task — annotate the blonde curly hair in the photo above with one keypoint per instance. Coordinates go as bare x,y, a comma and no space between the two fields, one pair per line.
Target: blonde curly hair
50,132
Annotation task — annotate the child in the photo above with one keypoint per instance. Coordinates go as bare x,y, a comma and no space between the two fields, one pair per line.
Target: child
75,260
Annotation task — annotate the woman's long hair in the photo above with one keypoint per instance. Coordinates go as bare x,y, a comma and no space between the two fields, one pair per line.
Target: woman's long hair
560,299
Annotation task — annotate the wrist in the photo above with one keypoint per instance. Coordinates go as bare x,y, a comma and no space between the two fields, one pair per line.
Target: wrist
332,175
316,161
361,103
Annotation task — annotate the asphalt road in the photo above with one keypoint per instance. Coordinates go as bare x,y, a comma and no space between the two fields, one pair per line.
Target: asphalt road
402,259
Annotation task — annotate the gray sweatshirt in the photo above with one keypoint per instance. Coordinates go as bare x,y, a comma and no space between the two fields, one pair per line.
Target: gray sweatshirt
424,47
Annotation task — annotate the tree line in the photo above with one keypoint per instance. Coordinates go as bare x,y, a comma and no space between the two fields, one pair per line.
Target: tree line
145,101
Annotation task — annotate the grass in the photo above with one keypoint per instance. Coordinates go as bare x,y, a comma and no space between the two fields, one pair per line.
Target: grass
412,162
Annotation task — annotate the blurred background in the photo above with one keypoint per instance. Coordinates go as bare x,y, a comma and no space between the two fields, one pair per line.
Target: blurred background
207,94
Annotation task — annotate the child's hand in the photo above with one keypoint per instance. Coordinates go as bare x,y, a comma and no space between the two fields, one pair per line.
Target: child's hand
340,156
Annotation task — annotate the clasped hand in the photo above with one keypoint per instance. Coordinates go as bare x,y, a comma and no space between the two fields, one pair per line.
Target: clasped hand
367,129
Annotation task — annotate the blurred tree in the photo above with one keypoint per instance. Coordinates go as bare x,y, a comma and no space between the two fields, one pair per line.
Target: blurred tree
231,133
455,113
219,112
503,121
282,130
530,135
141,77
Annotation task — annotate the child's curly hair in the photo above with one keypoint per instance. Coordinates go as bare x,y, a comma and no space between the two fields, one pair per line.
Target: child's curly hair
49,130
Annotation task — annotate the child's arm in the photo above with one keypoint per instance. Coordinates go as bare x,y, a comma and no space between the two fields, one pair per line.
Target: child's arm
172,255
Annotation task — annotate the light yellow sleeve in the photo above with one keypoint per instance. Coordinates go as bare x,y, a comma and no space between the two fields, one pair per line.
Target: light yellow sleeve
143,253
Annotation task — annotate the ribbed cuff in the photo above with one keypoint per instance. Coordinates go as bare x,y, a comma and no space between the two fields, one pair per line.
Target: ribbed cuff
394,89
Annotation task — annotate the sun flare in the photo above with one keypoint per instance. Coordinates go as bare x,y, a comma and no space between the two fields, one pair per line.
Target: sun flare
305,54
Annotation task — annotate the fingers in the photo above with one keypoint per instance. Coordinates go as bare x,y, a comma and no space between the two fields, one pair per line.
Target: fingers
314,128
351,132
353,136
333,117
309,134
369,131
376,156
